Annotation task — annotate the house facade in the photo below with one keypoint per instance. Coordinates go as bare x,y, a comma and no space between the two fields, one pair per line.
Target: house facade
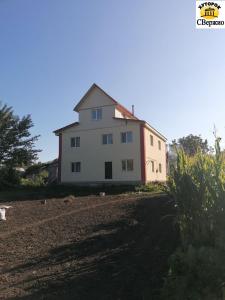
109,145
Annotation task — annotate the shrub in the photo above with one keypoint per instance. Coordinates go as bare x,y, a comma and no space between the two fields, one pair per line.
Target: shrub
151,187
39,179
9,177
197,268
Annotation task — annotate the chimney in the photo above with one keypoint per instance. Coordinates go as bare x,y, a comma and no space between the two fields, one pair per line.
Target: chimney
133,110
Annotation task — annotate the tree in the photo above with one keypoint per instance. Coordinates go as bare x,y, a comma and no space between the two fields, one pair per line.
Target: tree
191,144
16,142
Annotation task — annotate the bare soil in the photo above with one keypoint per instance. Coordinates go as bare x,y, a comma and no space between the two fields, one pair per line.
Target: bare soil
81,248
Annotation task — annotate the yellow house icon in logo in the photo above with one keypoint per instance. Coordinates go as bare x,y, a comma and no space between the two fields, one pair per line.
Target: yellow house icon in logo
209,12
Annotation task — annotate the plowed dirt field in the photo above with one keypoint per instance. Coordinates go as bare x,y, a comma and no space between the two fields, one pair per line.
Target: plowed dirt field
81,248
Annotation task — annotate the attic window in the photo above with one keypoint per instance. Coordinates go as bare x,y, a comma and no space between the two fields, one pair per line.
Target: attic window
96,114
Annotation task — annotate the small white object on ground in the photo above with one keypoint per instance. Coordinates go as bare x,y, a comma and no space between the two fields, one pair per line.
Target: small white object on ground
2,212
102,194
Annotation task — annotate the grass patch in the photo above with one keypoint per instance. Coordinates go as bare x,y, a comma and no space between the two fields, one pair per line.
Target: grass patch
152,187
59,191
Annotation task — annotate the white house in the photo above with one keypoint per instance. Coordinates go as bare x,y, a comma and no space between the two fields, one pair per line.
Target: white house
109,145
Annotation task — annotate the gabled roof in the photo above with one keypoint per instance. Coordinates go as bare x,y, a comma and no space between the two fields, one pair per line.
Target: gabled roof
120,107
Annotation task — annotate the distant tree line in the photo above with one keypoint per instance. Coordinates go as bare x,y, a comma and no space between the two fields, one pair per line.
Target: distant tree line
191,144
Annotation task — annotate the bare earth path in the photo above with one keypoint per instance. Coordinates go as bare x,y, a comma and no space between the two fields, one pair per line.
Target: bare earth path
61,215
114,247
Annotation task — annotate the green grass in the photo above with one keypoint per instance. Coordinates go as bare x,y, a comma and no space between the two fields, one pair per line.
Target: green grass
59,191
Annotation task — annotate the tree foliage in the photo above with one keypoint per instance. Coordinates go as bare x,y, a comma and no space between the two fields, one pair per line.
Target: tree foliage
191,144
16,142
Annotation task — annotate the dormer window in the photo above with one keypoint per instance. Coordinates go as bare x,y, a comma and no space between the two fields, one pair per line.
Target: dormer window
96,114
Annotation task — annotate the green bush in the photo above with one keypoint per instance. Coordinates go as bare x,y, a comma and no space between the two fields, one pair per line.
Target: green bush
197,268
151,187
9,177
37,180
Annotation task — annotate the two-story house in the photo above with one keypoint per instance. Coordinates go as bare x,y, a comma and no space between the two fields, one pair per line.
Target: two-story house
109,145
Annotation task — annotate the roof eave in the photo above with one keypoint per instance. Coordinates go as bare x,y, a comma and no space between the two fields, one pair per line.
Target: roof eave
76,108
58,131
155,131
148,126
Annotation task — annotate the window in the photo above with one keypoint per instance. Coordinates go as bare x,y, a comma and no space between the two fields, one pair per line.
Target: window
96,114
151,140
75,141
107,139
126,137
159,145
127,165
130,165
153,166
160,168
124,165
75,167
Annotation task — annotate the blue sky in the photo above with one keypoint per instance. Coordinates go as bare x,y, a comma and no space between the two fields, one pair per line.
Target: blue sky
141,52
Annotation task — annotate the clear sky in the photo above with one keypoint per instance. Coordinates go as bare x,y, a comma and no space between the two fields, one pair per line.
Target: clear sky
142,52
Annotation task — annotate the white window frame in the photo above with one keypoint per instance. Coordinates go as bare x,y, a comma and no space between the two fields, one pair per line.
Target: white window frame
76,143
128,139
75,168
124,165
96,114
109,139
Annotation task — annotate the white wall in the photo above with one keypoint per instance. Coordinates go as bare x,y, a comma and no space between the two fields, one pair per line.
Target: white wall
86,122
93,154
154,154
95,98
118,114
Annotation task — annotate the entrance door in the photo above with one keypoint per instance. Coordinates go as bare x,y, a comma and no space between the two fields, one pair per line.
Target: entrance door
108,170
